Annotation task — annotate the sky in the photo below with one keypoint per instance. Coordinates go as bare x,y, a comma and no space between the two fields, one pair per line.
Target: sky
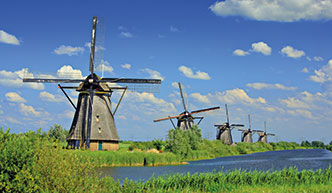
269,59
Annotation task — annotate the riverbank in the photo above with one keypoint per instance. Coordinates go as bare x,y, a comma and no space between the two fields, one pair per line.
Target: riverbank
146,157
286,180
30,162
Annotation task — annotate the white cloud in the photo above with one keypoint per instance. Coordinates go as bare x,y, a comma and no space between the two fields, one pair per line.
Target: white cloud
277,10
126,66
14,97
291,102
126,35
173,29
14,79
149,102
46,96
262,48
318,58
292,53
305,70
260,85
190,74
240,52
97,47
175,85
104,66
28,110
234,96
12,120
200,98
324,74
153,74
308,58
69,50
67,71
303,113
8,38
238,96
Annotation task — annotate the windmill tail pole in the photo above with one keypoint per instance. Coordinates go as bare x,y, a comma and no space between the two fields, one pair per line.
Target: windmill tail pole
71,102
117,106
93,42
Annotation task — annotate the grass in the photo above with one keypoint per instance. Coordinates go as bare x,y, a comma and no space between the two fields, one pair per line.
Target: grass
287,180
207,150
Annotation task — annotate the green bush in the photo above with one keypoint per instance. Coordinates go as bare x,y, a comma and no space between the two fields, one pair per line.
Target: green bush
30,163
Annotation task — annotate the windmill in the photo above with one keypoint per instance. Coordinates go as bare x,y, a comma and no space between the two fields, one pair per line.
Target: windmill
263,135
185,119
224,130
247,133
93,124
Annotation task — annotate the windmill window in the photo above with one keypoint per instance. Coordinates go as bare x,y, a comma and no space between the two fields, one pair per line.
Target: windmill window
97,118
99,130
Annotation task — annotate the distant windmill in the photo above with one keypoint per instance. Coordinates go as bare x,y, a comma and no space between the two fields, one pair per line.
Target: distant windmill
224,130
247,133
93,124
263,135
185,119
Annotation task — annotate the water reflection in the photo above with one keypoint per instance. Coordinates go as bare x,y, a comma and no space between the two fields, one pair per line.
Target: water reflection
274,160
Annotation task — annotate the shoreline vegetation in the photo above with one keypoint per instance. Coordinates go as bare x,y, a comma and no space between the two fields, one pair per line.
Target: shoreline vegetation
36,162
208,150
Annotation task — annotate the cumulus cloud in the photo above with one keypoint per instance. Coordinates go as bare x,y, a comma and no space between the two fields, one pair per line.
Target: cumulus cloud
14,79
104,66
69,50
151,103
126,35
28,110
318,58
239,52
299,112
8,38
324,74
126,66
67,71
175,84
234,96
262,48
190,74
291,102
260,85
46,96
305,70
277,10
200,98
14,97
154,74
97,47
292,53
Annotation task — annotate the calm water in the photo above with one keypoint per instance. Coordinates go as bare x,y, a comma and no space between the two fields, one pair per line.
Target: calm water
274,160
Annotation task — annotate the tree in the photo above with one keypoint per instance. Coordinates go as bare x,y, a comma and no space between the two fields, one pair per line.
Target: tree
182,142
57,133
305,144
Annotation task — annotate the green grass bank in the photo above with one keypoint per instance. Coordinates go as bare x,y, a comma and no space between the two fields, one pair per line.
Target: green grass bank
30,162
140,155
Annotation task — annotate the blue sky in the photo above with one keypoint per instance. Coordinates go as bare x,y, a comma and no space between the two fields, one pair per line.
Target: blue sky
270,60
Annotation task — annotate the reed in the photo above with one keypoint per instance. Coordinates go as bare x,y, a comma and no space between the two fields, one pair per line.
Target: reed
286,180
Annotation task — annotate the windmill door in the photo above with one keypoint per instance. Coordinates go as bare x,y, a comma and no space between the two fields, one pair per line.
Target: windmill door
100,146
